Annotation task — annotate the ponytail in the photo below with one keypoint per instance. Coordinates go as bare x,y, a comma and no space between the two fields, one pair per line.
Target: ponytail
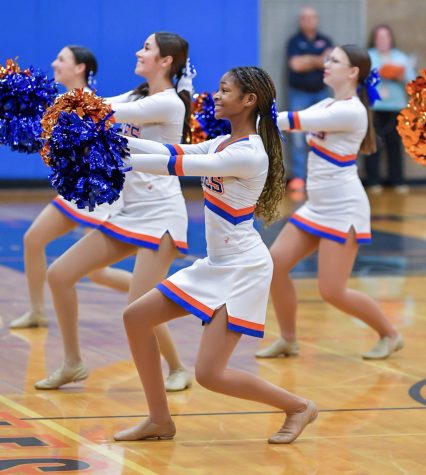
256,80
186,99
272,193
359,57
141,91
368,145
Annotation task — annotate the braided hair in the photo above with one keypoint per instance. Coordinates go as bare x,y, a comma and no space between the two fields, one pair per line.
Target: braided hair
252,79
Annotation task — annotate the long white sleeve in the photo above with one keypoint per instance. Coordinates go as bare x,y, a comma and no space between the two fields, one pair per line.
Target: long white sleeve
149,110
338,116
238,161
120,98
146,146
149,146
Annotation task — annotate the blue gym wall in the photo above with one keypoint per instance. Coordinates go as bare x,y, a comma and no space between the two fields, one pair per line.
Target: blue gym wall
221,33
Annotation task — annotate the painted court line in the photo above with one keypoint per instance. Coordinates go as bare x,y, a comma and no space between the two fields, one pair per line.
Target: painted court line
234,413
76,437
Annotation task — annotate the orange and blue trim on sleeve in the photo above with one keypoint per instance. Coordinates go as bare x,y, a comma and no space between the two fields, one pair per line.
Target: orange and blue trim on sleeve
71,213
294,120
232,215
174,149
334,158
205,313
327,232
174,166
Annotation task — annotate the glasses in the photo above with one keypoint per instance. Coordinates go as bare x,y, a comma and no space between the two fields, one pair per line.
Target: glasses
332,60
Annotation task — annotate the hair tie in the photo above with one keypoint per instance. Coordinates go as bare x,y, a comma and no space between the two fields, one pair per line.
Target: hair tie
370,83
91,81
274,114
185,81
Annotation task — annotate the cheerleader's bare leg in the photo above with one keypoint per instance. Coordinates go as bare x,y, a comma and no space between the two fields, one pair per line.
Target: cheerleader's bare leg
290,247
93,251
335,263
116,279
49,225
151,267
140,320
216,347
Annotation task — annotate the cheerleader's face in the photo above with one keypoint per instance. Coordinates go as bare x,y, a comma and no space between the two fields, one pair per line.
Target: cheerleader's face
229,101
149,61
65,69
337,69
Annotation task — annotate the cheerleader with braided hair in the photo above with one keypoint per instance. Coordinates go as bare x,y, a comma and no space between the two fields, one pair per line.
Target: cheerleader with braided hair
228,290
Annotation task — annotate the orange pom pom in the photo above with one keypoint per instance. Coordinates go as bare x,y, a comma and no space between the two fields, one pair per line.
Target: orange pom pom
11,67
412,120
78,101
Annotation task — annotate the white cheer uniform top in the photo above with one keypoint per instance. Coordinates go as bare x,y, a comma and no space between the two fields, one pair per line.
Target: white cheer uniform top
233,179
336,130
158,117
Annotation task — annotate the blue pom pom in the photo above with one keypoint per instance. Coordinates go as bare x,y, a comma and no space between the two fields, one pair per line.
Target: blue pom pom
204,115
24,96
86,158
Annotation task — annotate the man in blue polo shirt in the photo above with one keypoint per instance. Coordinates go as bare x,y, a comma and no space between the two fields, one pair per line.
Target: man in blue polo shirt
305,58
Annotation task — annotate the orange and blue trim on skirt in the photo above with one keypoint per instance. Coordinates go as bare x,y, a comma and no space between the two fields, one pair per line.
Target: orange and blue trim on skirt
69,212
137,239
205,313
327,232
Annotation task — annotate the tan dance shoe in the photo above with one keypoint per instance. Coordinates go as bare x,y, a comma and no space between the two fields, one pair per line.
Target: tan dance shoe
384,348
294,425
148,430
29,320
178,380
278,348
62,376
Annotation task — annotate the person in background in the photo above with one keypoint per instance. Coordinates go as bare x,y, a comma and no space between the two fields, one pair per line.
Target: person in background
306,51
395,70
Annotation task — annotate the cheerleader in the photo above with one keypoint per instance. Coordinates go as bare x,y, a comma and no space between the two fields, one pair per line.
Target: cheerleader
74,67
152,222
336,218
228,290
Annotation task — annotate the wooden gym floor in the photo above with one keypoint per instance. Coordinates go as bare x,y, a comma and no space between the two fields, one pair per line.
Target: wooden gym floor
372,414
